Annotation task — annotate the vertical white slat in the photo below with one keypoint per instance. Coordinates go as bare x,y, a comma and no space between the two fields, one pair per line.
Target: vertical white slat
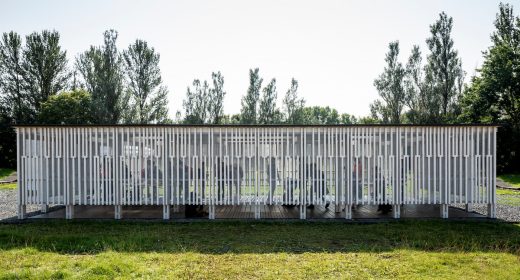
231,143
303,176
20,171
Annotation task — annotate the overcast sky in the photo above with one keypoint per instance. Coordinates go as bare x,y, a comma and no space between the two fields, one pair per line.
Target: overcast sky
334,49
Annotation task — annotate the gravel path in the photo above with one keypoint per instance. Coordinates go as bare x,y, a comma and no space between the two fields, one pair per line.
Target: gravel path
8,205
8,208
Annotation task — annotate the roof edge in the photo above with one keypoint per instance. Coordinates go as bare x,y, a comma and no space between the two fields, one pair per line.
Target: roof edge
256,125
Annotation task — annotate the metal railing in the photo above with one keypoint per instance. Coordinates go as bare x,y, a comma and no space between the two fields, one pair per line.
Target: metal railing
256,165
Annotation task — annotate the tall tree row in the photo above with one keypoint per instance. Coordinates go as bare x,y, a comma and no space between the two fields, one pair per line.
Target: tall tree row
422,94
30,74
204,103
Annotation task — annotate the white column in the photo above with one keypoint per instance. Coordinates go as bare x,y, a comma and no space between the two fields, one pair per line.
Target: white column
396,209
348,211
491,210
166,212
444,211
69,211
22,212
118,209
211,212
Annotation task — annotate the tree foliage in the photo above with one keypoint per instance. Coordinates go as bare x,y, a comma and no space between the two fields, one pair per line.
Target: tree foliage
44,66
147,96
196,103
216,99
390,87
204,103
72,107
12,94
444,75
250,100
101,70
268,113
293,104
494,94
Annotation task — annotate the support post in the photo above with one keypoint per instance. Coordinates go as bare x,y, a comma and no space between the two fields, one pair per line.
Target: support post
303,212
166,212
118,209
44,208
22,212
348,212
469,207
491,210
257,212
396,209
211,213
69,211
444,211
338,207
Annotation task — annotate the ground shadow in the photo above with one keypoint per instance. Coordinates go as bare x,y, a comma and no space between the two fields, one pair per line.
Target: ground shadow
217,237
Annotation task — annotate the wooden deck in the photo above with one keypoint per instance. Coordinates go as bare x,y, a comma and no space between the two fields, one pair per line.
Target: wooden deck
267,212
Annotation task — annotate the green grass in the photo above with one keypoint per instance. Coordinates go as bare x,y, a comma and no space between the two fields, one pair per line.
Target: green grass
272,250
10,186
508,197
4,172
511,179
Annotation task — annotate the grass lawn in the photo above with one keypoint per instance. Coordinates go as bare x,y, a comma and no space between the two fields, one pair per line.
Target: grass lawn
511,179
229,249
4,172
508,197
10,186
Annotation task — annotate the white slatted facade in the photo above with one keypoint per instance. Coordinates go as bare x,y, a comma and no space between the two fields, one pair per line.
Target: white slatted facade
256,165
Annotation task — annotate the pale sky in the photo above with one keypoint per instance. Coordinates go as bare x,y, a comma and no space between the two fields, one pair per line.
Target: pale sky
335,49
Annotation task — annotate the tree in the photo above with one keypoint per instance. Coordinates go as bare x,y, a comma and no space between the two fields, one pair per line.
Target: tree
494,94
268,113
415,96
67,108
293,105
44,67
390,87
101,69
148,97
250,100
7,139
12,94
216,100
444,74
196,103
317,115
347,119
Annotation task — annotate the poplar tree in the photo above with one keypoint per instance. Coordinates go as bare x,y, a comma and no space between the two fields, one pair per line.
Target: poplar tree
216,99
250,100
444,74
196,103
390,87
101,70
44,67
148,96
12,95
268,113
293,104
